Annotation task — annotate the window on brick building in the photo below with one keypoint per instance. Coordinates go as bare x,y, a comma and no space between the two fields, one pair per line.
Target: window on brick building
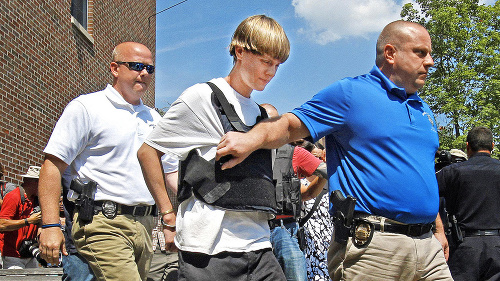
79,10
81,17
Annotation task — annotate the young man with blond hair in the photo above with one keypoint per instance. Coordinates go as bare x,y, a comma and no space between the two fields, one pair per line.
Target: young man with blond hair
220,241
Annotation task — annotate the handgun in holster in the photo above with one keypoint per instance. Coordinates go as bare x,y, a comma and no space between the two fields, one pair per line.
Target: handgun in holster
344,216
85,201
456,232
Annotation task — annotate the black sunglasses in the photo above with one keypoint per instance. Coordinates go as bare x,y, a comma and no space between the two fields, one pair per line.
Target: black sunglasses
138,66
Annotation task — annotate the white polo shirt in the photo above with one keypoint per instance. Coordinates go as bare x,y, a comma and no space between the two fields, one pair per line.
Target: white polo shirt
98,135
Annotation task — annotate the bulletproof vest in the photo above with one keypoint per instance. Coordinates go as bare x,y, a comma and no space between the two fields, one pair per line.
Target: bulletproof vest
246,187
288,198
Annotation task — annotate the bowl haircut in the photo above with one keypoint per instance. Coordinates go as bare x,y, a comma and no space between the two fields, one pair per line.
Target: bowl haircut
261,35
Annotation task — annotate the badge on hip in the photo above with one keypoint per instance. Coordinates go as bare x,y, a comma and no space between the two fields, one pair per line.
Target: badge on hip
109,209
362,233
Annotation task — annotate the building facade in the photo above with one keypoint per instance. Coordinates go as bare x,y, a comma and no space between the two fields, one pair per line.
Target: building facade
52,51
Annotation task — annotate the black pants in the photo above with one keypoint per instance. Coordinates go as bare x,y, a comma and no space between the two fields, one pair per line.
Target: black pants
476,258
249,266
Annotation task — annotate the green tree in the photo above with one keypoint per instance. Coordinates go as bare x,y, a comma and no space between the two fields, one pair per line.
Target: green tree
463,88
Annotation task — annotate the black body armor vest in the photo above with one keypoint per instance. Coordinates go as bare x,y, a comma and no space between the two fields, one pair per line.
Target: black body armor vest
246,187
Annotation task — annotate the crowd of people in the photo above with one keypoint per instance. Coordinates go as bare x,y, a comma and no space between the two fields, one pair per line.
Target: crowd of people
344,187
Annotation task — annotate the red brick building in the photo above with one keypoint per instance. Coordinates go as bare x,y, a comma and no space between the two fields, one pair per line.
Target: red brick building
51,52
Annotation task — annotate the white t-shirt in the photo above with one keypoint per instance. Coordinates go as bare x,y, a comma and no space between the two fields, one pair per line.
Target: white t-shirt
98,135
192,123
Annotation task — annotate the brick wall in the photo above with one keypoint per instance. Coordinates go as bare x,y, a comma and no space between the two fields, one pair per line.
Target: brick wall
45,62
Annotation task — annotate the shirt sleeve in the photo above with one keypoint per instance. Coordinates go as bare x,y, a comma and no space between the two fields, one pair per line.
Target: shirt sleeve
10,205
170,164
327,111
190,123
71,133
304,163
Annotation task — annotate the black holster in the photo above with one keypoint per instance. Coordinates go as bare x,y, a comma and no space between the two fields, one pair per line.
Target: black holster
344,216
85,202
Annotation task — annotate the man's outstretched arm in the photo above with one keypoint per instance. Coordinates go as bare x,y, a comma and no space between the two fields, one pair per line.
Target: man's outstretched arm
270,133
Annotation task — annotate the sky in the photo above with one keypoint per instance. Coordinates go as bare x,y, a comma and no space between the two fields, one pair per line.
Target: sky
330,40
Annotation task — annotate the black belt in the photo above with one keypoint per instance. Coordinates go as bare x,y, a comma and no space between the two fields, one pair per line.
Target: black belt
110,209
277,222
486,232
406,229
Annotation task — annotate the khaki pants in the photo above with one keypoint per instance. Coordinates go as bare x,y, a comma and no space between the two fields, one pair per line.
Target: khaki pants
164,266
389,256
116,249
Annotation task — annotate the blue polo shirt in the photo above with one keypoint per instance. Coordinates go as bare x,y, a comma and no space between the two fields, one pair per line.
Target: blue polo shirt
380,146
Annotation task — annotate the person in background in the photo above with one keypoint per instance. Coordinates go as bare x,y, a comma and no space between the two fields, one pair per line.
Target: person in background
472,190
5,187
19,220
458,155
318,227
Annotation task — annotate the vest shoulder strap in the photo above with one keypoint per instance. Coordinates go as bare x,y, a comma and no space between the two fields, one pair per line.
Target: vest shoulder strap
227,109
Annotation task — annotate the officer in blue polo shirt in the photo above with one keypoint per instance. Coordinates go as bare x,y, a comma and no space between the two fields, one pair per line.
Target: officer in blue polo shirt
381,139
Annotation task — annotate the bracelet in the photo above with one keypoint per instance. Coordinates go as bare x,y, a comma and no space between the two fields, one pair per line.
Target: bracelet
51,225
26,222
166,224
167,212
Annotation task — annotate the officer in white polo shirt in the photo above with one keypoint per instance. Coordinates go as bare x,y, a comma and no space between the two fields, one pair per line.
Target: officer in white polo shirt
98,136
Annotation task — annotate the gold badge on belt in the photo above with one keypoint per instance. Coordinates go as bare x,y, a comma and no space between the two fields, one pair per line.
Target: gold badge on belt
363,233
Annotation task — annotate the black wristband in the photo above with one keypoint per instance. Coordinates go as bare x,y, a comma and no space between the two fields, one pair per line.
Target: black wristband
26,222
51,225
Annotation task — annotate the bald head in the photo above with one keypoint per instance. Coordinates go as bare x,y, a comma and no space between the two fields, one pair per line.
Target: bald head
396,33
123,50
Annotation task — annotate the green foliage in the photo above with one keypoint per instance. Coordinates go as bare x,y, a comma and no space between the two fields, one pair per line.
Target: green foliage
463,88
